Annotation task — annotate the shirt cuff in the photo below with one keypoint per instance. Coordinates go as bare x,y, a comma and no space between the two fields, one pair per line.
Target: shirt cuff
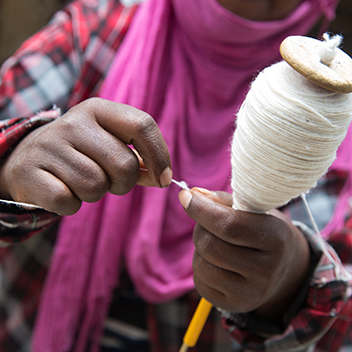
15,129
18,222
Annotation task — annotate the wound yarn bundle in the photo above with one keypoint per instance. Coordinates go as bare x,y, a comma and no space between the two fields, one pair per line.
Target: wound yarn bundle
287,134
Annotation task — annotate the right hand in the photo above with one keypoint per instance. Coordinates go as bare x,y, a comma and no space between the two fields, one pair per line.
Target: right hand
245,261
83,155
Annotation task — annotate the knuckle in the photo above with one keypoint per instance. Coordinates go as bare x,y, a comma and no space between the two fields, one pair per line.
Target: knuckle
238,299
127,174
67,122
200,237
72,119
51,138
93,188
210,248
201,267
210,294
228,225
90,104
70,122
279,239
146,124
62,202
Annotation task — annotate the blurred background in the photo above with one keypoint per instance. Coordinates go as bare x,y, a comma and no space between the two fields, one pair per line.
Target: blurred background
21,18
343,24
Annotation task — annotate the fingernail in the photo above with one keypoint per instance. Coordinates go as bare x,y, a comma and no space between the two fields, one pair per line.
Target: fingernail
165,177
204,191
185,197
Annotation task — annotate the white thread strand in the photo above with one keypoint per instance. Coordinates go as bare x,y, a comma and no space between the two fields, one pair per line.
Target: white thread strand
344,274
327,49
181,184
288,131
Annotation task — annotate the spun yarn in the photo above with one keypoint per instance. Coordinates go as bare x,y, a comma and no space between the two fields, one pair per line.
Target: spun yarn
288,131
327,49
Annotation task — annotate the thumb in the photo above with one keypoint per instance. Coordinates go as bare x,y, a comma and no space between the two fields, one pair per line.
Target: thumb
185,196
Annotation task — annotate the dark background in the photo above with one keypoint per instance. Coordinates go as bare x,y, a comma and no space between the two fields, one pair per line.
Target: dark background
21,18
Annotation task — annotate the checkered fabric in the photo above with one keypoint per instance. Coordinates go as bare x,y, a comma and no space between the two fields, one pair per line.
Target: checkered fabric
66,62
63,64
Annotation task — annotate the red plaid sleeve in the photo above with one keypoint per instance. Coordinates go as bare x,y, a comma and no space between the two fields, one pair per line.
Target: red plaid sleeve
16,224
66,62
63,64
13,130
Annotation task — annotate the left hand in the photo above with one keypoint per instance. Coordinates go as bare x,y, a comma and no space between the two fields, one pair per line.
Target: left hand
84,154
245,261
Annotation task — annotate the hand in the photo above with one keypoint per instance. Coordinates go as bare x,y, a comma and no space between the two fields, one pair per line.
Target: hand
84,154
245,261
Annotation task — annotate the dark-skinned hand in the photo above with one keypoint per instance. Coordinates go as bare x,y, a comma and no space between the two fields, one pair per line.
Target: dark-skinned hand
83,155
245,261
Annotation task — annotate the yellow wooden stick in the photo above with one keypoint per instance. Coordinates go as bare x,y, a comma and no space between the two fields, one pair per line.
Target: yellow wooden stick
196,325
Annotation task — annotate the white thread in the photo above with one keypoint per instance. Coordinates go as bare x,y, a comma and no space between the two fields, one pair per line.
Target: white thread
288,131
344,274
327,49
181,184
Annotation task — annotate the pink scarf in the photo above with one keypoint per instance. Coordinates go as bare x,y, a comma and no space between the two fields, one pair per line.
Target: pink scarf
188,64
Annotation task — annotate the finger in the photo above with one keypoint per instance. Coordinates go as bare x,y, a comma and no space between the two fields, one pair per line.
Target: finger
217,196
137,128
144,176
120,164
215,297
84,177
113,156
239,259
50,193
224,289
90,163
144,179
232,226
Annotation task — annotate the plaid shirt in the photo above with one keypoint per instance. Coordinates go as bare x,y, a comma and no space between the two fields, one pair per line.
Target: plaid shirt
65,64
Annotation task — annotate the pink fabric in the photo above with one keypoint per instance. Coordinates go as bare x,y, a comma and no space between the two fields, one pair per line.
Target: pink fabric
343,161
188,64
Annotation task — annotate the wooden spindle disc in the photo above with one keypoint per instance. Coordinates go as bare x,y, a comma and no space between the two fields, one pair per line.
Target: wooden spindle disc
302,54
